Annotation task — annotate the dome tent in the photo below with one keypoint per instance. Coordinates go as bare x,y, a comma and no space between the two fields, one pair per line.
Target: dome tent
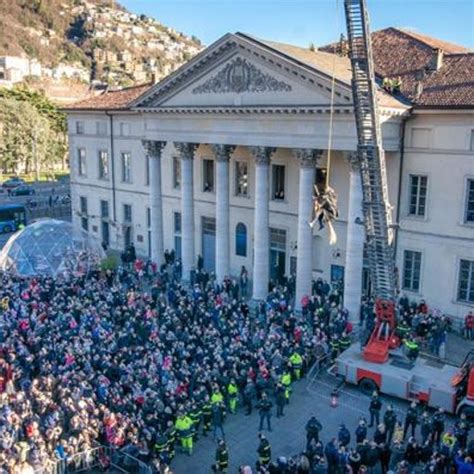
50,247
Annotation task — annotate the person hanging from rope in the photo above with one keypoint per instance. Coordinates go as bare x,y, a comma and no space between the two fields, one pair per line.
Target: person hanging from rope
325,211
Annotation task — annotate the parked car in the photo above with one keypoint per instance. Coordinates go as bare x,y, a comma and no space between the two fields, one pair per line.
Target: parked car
13,183
25,190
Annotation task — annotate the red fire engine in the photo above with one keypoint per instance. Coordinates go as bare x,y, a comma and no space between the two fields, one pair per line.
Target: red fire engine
382,366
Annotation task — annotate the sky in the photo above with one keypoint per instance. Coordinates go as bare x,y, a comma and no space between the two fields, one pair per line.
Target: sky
302,22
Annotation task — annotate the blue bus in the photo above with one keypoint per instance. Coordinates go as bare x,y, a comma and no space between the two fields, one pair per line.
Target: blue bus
12,217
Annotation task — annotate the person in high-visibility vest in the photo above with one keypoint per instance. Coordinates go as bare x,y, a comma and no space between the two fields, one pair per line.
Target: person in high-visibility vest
334,346
196,416
216,396
206,415
296,362
411,348
161,448
171,436
232,393
285,380
184,427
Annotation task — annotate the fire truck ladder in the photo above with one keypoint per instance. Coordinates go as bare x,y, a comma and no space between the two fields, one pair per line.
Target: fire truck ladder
376,208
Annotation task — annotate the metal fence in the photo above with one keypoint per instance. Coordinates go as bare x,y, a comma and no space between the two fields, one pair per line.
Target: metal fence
100,457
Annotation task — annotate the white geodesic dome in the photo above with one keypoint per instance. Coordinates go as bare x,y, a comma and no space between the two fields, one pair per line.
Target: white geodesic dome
50,247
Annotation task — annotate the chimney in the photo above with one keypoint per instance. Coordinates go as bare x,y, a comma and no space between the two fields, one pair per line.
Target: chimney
436,60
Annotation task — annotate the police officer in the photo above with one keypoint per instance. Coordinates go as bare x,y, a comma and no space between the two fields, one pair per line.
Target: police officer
438,426
374,410
411,420
426,427
264,451
247,396
313,427
461,431
265,410
280,399
389,419
361,431
222,456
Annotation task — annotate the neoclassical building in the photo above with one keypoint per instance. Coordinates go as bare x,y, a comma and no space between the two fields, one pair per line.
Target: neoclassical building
220,159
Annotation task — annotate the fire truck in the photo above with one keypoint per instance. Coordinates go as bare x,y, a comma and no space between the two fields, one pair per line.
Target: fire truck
382,365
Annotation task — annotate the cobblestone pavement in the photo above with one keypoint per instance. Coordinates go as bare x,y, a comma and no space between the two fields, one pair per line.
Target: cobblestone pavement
288,435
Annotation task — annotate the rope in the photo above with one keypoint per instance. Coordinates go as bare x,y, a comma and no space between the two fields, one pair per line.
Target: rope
331,109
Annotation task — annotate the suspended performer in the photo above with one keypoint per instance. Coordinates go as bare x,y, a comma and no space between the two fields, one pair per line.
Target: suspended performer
325,211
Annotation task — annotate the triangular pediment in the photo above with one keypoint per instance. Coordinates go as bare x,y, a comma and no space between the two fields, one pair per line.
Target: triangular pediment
240,71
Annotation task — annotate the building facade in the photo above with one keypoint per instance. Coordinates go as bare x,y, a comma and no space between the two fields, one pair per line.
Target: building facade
220,159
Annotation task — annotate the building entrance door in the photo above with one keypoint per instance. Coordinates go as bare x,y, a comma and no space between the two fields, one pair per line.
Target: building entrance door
277,255
209,243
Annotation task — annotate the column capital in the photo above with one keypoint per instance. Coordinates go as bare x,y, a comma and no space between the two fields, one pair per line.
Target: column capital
153,148
186,150
222,152
307,157
262,154
353,159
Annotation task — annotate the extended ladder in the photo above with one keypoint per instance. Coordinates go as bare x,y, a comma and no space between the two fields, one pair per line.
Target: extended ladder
376,207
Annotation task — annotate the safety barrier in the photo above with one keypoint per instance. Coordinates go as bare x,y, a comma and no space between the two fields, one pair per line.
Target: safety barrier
101,457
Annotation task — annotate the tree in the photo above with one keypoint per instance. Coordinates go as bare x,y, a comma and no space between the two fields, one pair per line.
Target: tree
312,47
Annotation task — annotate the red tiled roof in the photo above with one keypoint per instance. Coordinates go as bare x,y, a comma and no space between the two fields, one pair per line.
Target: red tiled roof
406,54
111,100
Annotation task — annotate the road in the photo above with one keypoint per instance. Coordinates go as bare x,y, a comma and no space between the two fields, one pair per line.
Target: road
43,190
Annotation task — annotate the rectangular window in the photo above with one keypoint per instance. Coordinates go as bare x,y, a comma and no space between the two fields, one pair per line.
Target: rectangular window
466,281
101,128
84,215
470,201
126,159
176,173
127,213
81,161
147,171
208,176
103,164
104,209
472,141
241,178
124,129
418,189
177,234
80,128
148,217
411,270
278,182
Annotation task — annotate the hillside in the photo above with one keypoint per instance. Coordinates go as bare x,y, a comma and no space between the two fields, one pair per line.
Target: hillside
89,41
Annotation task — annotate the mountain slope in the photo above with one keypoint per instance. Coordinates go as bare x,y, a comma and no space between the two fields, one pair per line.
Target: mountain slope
112,44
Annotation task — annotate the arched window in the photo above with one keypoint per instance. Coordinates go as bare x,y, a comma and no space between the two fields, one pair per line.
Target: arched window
241,240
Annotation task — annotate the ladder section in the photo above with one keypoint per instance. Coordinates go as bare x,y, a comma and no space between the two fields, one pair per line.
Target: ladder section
376,208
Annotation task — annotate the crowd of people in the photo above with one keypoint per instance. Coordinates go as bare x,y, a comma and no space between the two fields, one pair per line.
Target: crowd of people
134,360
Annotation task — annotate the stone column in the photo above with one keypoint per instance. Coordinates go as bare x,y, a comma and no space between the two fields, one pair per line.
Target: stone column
153,150
261,264
222,154
188,255
304,265
355,243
